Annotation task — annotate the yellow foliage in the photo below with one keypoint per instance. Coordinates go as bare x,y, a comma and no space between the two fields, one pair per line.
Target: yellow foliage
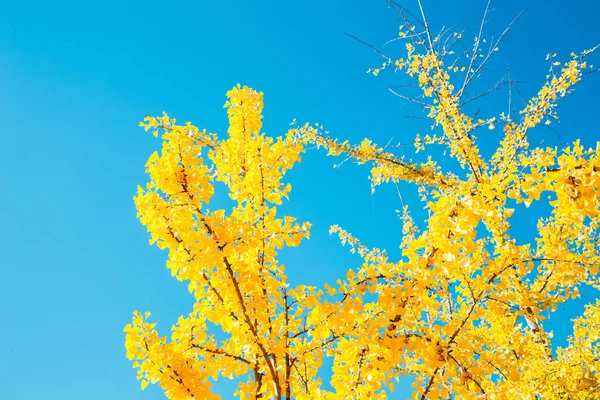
461,313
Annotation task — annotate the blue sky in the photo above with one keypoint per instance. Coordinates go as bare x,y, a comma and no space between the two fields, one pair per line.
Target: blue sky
77,77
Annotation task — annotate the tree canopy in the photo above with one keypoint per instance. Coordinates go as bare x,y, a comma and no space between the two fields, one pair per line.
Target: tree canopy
462,310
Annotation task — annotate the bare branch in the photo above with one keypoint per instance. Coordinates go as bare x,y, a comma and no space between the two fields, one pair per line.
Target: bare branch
411,99
475,50
475,72
497,86
427,30
389,60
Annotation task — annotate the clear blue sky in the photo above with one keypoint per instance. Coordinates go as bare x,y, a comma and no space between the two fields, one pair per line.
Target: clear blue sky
77,77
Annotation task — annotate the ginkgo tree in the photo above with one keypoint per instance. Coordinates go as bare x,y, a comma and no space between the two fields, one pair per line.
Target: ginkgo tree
462,310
